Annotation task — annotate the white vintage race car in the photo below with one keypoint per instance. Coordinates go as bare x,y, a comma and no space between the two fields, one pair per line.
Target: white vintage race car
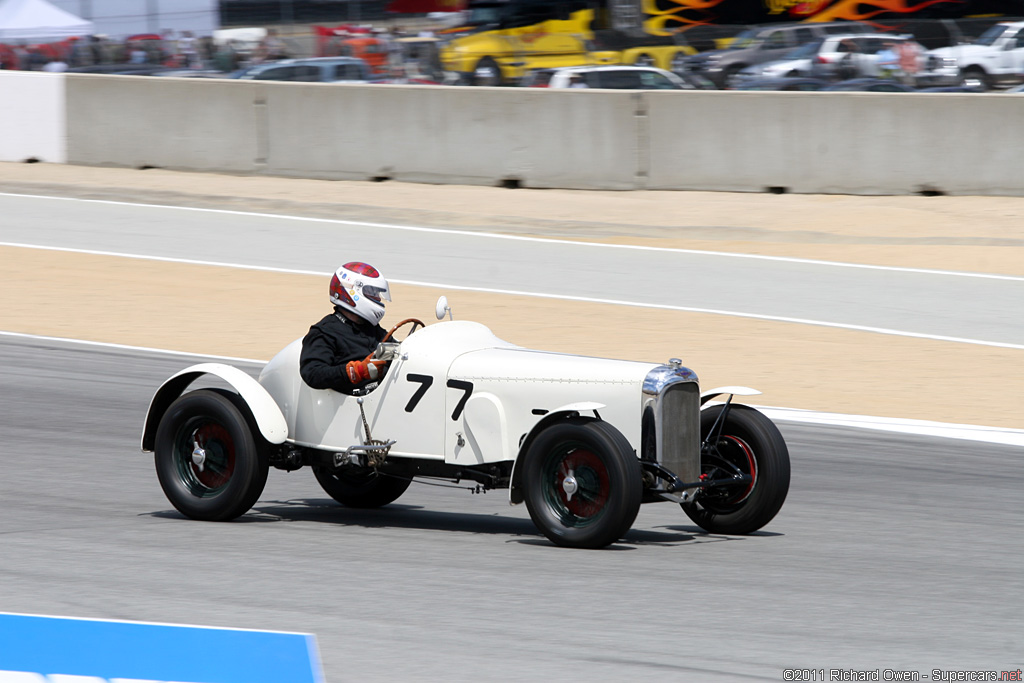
583,441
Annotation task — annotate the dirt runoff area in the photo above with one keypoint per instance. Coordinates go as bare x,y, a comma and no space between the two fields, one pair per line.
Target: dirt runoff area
210,310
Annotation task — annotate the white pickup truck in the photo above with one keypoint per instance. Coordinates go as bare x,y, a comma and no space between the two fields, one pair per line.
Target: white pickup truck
996,58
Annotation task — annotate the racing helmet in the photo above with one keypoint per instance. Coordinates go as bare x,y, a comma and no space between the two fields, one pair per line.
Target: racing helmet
360,288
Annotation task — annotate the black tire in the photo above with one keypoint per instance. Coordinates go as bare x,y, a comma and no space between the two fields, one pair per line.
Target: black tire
730,77
975,77
607,476
679,62
362,487
747,436
227,478
487,72
643,59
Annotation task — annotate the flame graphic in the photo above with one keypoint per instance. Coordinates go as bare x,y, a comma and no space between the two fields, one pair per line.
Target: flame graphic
670,16
852,10
678,15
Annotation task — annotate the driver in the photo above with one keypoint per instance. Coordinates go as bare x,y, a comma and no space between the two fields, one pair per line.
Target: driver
334,349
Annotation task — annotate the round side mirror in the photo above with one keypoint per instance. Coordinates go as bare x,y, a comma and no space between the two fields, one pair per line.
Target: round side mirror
442,307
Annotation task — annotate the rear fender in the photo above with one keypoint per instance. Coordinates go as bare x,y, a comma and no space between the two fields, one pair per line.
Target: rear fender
264,409
706,396
515,494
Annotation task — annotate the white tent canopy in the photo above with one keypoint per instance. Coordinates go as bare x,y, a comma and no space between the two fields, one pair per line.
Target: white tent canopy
38,21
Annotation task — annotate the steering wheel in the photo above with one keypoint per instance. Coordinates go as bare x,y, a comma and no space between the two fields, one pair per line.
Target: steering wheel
416,324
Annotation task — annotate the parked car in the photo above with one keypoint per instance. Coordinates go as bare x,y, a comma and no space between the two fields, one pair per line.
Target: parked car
583,442
868,85
845,56
614,77
797,83
952,88
310,70
761,44
995,58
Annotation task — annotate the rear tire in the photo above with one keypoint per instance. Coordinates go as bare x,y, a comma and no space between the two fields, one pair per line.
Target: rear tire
210,459
362,488
582,483
750,442
730,78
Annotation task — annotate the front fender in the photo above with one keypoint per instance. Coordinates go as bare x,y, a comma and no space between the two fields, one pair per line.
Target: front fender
706,396
265,411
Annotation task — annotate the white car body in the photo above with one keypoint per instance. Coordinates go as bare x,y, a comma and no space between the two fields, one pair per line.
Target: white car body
458,402
996,58
618,77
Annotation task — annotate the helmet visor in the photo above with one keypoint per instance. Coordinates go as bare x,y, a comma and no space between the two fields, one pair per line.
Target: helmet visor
376,293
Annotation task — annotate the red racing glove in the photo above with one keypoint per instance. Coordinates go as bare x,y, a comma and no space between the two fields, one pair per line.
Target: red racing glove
363,370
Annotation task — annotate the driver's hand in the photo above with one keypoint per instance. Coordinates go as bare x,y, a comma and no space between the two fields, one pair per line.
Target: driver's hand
364,370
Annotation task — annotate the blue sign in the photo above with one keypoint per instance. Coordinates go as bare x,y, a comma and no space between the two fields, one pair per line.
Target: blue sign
39,649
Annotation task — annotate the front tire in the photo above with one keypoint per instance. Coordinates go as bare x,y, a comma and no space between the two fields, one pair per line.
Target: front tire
751,443
487,72
975,77
582,483
362,488
211,463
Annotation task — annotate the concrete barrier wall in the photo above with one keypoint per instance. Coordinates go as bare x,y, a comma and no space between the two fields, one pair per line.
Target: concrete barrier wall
454,135
32,107
849,143
193,124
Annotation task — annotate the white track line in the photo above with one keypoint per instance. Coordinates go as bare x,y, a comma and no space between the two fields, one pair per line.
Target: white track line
524,238
997,435
542,295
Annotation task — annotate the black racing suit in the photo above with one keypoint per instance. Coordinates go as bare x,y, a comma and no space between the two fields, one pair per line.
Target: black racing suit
329,345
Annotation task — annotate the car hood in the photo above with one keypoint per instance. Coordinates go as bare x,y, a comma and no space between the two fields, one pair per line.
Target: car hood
961,51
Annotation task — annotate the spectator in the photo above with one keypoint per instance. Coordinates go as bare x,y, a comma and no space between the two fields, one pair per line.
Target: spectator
272,47
226,57
908,54
20,57
188,51
36,59
846,68
888,61
137,55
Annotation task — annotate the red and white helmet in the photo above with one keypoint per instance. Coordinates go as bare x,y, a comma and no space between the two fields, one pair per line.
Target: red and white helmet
361,289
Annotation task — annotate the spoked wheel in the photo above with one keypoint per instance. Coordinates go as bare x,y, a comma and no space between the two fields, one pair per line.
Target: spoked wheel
210,463
361,487
582,483
747,443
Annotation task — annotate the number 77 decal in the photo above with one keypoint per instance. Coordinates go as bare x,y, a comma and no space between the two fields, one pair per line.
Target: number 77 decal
425,381
464,386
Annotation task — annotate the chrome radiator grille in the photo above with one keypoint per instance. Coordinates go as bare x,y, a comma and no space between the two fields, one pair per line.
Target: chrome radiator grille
677,429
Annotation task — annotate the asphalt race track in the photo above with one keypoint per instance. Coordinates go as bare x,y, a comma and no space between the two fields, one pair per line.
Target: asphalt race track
892,552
